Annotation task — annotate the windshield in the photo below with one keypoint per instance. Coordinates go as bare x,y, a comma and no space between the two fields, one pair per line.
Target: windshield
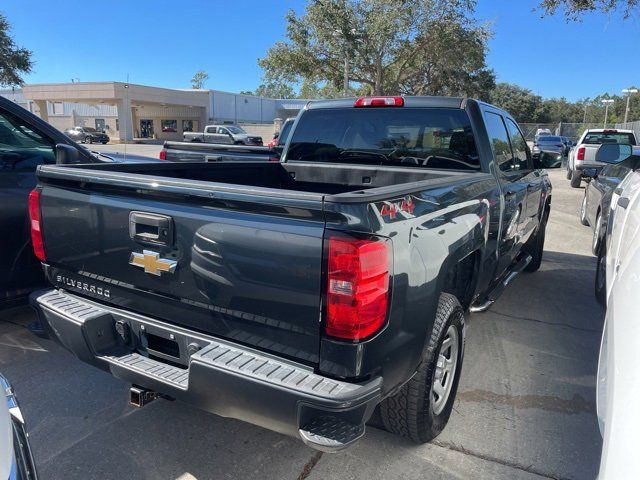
233,129
597,138
412,137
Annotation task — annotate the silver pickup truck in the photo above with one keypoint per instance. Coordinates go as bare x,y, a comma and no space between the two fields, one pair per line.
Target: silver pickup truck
227,134
582,157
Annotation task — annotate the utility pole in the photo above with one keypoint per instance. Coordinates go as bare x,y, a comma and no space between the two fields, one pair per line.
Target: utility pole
584,118
607,102
629,92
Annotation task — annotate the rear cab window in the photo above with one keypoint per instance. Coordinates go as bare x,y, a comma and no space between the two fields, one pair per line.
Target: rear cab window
596,138
411,137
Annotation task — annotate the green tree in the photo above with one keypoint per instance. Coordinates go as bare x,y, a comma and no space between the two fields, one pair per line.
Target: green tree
199,79
386,46
572,9
14,61
520,102
275,89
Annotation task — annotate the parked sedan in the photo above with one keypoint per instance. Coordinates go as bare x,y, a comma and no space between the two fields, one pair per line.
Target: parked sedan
87,135
597,198
548,144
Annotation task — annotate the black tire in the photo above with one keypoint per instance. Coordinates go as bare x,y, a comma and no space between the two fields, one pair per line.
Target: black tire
104,143
576,179
600,283
535,245
409,412
88,139
568,174
583,211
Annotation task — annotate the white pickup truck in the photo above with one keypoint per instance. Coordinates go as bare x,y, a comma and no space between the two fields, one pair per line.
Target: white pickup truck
583,155
224,134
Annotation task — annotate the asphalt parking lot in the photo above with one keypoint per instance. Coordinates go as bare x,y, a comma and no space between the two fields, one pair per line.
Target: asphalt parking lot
525,407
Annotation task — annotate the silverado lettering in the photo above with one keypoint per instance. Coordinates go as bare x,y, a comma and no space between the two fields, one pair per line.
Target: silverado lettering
87,287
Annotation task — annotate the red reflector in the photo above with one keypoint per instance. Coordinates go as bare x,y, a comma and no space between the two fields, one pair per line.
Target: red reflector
379,102
36,225
274,159
357,287
580,153
163,154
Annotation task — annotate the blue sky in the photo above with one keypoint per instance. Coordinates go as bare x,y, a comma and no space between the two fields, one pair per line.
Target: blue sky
164,43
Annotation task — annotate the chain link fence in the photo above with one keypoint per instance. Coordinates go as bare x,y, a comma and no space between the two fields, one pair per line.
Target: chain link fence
635,126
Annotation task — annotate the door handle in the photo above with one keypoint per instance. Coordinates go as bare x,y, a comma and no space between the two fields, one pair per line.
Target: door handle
623,202
151,228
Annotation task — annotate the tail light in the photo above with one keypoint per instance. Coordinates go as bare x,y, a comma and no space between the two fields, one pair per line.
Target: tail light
163,154
274,159
580,153
358,275
36,225
379,102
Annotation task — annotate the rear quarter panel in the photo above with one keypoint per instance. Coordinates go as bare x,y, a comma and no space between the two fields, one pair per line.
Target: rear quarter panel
443,226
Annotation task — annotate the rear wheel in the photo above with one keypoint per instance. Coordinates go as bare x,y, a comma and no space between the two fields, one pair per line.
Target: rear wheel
583,210
600,284
421,408
88,139
576,179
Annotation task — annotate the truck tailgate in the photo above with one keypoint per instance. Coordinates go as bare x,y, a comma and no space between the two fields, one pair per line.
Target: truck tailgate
246,269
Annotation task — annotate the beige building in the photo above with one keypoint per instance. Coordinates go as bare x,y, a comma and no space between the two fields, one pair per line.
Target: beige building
132,112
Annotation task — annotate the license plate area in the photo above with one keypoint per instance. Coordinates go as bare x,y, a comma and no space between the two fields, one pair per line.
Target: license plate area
161,345
173,347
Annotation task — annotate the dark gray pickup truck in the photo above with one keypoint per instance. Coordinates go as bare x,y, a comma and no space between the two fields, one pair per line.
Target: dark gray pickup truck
299,295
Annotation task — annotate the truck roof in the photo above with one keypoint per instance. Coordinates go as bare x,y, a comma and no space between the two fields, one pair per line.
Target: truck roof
441,102
611,130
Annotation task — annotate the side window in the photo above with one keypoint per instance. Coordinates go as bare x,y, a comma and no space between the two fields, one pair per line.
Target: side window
519,146
499,141
21,148
223,131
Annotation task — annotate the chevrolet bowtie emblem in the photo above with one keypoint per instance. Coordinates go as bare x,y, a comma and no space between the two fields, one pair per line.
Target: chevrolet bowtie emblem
152,263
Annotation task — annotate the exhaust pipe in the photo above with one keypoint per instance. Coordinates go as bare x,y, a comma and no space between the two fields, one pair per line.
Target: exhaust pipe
139,397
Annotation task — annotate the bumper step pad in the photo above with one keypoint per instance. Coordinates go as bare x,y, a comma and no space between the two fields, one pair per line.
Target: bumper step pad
330,434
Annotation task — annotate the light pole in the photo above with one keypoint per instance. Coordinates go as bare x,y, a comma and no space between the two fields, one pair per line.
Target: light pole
607,102
629,92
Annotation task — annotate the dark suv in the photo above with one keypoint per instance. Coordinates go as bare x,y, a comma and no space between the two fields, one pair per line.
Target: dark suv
87,135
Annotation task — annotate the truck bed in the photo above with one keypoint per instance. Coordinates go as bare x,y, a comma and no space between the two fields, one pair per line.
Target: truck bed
357,182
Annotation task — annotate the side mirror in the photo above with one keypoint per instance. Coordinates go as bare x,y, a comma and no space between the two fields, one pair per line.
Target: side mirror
613,153
66,154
